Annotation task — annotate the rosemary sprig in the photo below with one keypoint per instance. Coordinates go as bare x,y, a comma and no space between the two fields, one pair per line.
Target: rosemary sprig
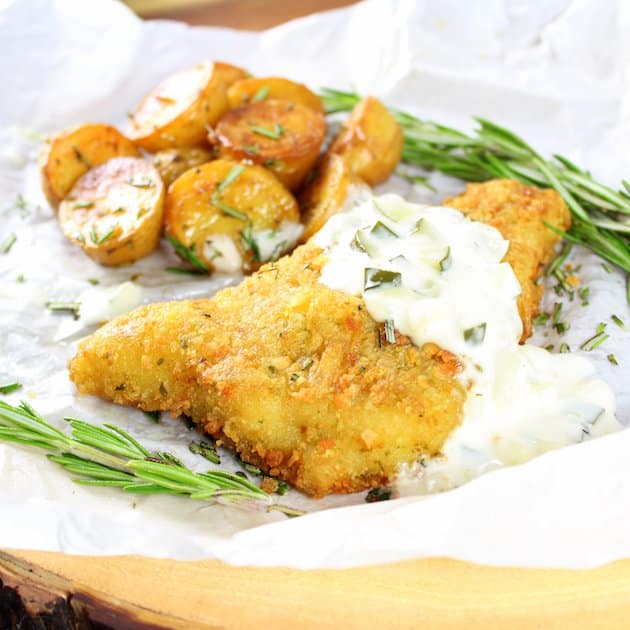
109,456
187,253
600,214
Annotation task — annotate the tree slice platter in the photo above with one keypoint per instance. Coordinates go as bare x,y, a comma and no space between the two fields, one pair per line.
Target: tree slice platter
61,591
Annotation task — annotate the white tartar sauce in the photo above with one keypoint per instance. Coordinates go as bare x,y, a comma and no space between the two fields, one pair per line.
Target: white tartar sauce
436,276
270,245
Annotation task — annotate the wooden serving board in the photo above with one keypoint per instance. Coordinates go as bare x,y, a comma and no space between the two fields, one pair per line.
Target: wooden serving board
137,593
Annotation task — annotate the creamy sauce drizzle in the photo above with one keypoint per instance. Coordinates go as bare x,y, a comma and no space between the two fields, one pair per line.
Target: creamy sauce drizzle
437,276
221,250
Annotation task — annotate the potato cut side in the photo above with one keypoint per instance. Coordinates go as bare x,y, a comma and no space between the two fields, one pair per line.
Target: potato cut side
255,90
370,141
115,211
285,137
325,195
177,112
68,154
225,216
171,163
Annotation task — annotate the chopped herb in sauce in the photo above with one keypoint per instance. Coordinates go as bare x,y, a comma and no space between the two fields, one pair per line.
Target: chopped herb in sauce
476,334
380,278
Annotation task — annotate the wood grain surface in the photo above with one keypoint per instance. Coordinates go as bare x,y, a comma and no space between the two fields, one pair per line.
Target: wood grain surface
252,15
134,592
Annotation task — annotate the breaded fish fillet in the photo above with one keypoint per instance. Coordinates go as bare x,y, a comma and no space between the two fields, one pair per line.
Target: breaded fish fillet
519,212
291,374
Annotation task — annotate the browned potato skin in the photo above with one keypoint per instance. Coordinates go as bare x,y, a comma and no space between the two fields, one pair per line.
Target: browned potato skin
292,155
325,194
68,154
171,163
370,141
192,219
519,212
106,197
243,91
177,112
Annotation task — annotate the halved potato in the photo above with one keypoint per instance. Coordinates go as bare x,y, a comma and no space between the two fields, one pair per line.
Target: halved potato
178,110
325,194
171,163
254,90
114,212
370,141
229,217
71,152
283,136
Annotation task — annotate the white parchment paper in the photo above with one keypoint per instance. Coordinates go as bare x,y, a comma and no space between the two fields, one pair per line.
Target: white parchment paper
555,71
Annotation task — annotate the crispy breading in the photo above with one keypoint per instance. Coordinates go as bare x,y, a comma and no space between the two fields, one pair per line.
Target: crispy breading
287,372
294,376
519,212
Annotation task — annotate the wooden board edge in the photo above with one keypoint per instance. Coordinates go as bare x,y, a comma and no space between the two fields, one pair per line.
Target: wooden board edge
136,593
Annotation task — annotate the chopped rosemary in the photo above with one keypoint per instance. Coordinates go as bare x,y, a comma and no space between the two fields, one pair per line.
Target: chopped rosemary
83,205
613,359
93,281
618,321
446,261
378,494
8,243
253,149
595,341
606,267
190,272
564,348
208,450
274,133
99,240
145,182
560,259
390,331
250,468
277,251
228,210
154,416
261,95
601,327
583,293
249,243
380,278
557,309
80,157
65,307
476,334
9,388
234,173
20,278
541,318
187,253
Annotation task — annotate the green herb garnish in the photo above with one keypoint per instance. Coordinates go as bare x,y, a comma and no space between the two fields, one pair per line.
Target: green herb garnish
380,278
378,494
145,182
234,173
83,205
154,416
249,243
390,331
618,321
8,243
261,95
9,388
228,210
541,318
190,272
613,359
446,261
564,348
187,253
595,341
109,456
274,133
476,334
65,307
208,450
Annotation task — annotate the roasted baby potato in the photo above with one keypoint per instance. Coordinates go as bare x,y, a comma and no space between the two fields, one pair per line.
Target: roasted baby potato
70,153
370,141
226,216
114,211
254,90
283,136
325,194
171,163
178,110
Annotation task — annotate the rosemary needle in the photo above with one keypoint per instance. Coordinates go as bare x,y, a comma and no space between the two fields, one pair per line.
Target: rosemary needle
109,456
